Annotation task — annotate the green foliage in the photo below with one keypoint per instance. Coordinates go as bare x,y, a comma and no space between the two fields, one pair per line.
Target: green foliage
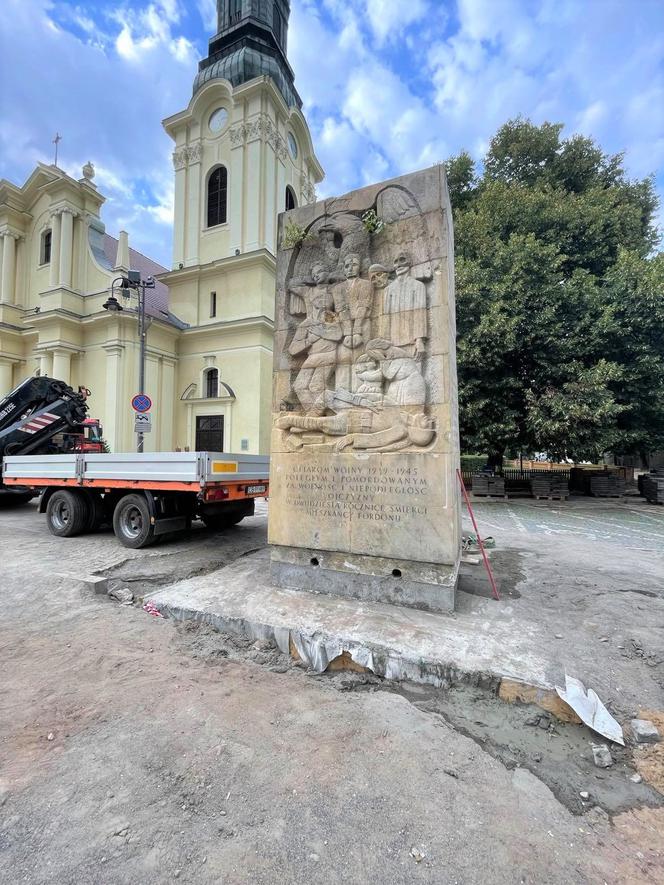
461,179
372,223
558,302
294,235
473,462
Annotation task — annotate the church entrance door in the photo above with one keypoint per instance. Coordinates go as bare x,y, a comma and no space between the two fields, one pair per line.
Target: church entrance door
210,433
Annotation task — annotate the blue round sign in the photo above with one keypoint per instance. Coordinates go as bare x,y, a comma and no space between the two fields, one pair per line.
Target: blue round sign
141,403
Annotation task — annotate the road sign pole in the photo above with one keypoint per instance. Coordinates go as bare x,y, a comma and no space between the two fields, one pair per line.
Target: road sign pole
141,368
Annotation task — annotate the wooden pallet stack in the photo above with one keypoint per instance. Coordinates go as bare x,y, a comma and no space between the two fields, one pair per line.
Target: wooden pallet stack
607,485
550,486
652,485
488,486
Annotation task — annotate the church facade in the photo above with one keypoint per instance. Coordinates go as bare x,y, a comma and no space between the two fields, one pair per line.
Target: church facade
242,154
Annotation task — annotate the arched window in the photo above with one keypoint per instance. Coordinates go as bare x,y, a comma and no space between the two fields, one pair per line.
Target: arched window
291,199
212,383
45,250
217,196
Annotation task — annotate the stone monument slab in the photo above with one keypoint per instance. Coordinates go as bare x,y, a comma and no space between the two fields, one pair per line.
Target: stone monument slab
364,499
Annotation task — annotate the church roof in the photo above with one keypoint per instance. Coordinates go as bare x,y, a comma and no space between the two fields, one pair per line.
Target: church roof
250,42
105,249
246,63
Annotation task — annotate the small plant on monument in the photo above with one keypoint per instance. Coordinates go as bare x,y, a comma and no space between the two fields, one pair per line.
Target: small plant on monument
372,223
295,235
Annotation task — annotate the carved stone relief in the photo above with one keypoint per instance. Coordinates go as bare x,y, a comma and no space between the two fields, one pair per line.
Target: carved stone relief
187,155
356,317
307,190
260,126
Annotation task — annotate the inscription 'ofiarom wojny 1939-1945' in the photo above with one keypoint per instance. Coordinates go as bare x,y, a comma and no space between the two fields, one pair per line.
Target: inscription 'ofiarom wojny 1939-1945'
364,500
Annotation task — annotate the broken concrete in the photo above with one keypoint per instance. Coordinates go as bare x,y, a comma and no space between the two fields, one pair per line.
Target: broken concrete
602,756
94,583
644,731
395,643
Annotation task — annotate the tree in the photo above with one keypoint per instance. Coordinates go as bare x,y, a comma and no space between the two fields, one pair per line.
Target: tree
632,336
558,301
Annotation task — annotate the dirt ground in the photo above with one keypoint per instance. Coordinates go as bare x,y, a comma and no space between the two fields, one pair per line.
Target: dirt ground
134,750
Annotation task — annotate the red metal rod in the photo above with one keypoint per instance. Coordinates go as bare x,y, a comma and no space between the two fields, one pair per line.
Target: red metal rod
494,589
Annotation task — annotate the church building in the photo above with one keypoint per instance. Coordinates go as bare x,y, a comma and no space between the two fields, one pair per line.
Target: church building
242,154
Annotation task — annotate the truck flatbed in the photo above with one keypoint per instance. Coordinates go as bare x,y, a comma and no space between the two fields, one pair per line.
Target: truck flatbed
145,495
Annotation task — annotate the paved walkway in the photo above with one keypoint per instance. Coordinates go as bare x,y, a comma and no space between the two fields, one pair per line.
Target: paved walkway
628,522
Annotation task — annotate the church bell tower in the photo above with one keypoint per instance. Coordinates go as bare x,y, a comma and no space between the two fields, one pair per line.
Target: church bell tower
242,154
251,41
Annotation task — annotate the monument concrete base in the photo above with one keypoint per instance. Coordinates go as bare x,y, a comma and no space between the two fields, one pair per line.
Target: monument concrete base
480,644
425,585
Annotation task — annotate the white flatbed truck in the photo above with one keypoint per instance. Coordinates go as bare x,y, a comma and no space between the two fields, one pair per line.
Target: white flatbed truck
144,496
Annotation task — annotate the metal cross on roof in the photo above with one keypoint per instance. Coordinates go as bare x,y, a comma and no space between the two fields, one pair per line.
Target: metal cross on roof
56,142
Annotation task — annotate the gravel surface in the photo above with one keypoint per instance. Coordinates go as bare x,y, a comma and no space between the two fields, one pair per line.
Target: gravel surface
132,751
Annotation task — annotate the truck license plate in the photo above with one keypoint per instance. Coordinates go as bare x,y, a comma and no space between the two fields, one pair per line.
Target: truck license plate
256,490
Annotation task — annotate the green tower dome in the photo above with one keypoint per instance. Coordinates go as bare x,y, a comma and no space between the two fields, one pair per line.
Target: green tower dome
251,41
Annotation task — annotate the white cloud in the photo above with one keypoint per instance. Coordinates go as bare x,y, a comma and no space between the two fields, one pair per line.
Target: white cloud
388,85
208,12
150,28
389,18
106,103
408,83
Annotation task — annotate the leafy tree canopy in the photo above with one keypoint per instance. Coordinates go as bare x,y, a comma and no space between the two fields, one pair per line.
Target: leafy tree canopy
560,301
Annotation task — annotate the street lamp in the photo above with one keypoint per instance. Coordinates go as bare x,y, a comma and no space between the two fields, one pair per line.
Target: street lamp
133,281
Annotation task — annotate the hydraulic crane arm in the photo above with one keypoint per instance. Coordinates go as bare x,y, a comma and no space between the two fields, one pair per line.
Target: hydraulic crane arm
36,411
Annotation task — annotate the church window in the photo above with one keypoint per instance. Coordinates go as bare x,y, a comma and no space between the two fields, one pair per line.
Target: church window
45,252
291,201
217,195
292,145
212,383
213,304
218,119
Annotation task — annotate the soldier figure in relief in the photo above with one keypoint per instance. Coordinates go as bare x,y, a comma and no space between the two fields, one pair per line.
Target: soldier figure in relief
318,336
405,384
404,318
371,418
353,298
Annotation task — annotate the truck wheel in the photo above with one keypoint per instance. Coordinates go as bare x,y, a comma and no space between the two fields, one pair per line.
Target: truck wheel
97,513
67,514
227,515
131,522
218,521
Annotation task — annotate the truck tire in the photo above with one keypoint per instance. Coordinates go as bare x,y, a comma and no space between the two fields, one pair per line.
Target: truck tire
67,514
97,513
11,498
132,522
218,522
229,516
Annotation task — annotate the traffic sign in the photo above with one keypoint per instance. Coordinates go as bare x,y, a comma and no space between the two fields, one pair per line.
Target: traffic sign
142,422
141,402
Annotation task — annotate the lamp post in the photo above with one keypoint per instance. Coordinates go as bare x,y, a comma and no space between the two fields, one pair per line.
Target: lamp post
133,281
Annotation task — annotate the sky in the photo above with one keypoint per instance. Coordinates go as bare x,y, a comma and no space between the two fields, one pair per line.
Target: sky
389,86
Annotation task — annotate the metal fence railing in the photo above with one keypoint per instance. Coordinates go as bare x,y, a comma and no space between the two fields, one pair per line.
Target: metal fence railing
515,475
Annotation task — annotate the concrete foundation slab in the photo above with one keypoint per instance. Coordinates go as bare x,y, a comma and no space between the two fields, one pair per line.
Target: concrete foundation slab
393,642
427,586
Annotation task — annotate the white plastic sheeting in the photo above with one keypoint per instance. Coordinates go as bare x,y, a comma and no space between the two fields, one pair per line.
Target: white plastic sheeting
587,705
